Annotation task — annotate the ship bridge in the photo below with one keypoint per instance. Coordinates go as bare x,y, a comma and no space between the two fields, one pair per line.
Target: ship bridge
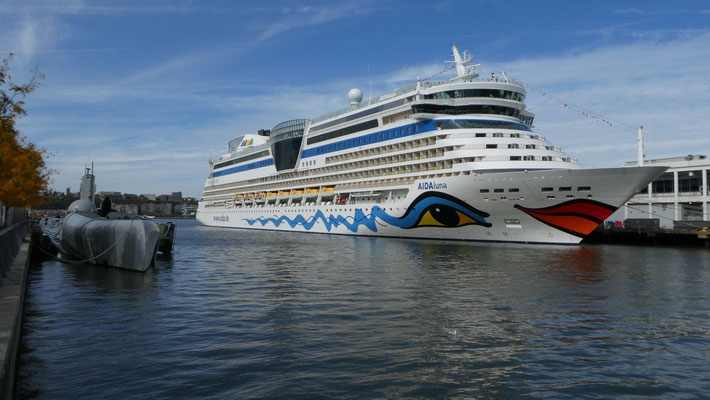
285,141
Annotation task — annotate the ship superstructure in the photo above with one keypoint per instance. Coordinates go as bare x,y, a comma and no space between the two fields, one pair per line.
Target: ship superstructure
449,160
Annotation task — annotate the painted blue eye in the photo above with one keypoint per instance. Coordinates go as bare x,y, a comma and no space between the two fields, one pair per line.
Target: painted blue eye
430,209
443,216
436,209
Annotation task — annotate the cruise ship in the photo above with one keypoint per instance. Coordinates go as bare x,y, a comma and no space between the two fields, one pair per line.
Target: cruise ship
452,160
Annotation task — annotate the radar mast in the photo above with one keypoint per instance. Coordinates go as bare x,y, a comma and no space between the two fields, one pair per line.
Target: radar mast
462,70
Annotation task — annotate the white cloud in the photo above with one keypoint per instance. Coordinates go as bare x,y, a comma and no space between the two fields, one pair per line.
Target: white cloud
151,122
663,86
300,17
407,75
638,11
80,7
29,36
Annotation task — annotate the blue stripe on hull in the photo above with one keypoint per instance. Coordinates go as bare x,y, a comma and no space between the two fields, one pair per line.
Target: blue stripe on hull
245,167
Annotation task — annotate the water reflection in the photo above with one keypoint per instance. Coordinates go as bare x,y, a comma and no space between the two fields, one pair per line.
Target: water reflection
240,314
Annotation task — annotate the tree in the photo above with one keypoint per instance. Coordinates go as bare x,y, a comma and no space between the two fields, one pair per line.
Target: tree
23,174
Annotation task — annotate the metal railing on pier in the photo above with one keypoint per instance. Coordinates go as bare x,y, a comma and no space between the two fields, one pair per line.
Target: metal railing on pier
10,240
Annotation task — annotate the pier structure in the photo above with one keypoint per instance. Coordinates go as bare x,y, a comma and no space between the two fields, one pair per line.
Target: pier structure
678,199
14,263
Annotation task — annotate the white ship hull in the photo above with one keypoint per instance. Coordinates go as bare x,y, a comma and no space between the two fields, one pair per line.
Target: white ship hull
452,160
548,206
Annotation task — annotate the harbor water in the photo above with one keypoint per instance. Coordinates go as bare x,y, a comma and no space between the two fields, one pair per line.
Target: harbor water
259,314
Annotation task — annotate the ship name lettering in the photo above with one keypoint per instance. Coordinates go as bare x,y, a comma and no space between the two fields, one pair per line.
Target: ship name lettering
431,186
387,96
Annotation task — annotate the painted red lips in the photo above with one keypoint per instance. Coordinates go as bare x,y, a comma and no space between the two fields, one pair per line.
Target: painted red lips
577,217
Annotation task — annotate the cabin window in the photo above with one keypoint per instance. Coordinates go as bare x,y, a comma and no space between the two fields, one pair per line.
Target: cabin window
546,189
584,188
497,190
513,146
480,135
513,190
565,189
491,146
514,158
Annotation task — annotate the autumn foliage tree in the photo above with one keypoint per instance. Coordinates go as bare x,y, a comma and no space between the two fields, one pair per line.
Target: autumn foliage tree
23,174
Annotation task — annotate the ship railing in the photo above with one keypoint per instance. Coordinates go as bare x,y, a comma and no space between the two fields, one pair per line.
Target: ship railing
412,87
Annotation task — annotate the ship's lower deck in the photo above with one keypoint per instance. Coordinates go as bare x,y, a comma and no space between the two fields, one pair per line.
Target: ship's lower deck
550,206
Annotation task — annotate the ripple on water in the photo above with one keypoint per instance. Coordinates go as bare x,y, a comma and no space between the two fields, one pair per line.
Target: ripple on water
241,314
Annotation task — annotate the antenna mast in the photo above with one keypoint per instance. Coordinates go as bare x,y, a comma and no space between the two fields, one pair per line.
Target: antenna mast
463,71
640,146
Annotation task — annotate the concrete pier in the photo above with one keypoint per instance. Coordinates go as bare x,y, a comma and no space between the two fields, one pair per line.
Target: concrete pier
650,236
13,276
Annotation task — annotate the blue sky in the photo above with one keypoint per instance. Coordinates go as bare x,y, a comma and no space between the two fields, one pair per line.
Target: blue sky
150,90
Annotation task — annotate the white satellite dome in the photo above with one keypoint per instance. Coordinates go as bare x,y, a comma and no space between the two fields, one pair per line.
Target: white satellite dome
355,97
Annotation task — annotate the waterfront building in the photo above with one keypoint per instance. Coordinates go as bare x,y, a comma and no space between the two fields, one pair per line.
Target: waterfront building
164,209
157,209
131,209
680,194
188,210
179,207
112,195
148,209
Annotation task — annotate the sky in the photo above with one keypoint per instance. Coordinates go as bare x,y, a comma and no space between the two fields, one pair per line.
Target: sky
150,90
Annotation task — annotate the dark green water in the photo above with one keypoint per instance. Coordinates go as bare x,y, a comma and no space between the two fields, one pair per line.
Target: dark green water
240,314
